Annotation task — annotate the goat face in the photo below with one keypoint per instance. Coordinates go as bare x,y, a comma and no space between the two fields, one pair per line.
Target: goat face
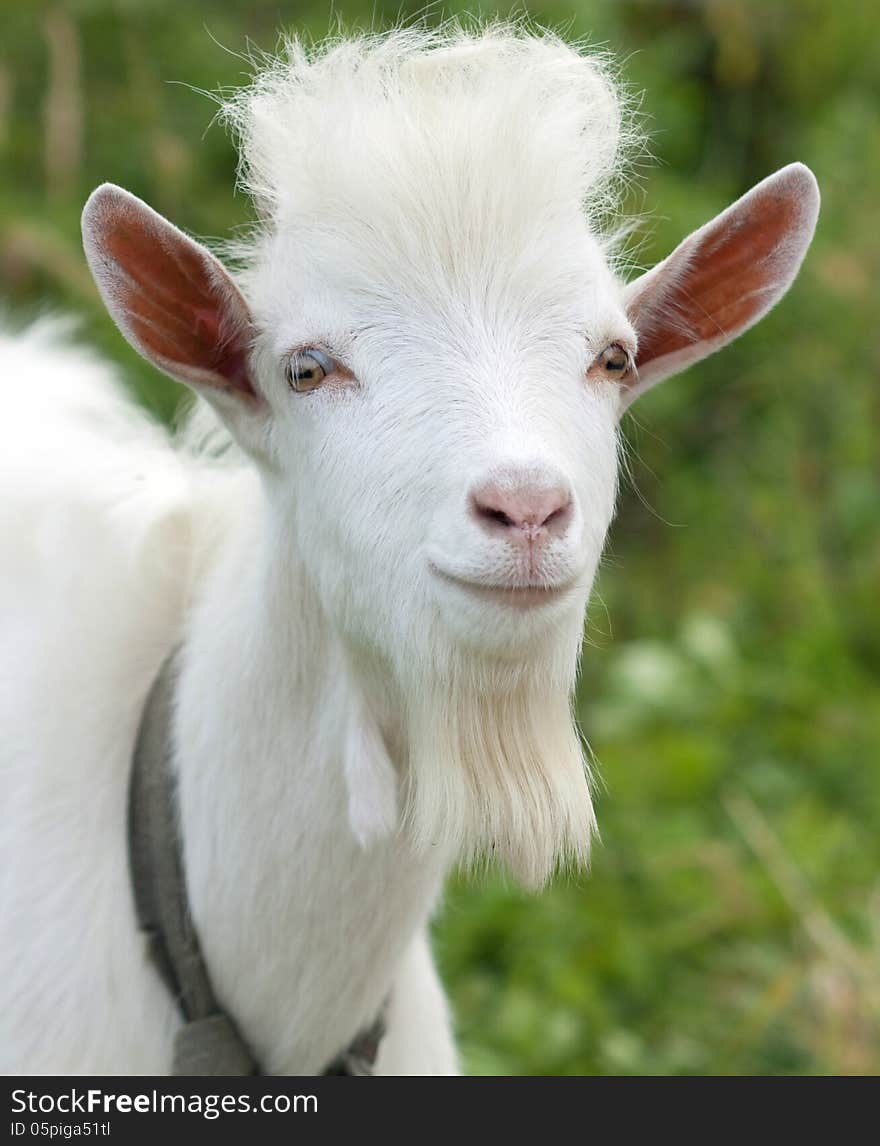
434,352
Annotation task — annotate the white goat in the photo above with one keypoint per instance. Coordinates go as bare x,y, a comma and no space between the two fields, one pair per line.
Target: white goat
379,588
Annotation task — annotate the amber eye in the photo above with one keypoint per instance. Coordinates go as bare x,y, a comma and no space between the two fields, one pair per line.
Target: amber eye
307,369
613,363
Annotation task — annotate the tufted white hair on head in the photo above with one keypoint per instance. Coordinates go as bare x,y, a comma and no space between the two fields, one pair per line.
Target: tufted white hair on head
409,125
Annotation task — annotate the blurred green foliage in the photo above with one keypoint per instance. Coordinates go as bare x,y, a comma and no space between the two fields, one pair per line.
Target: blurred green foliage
731,922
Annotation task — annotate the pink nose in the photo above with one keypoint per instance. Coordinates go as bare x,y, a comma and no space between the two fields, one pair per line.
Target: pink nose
524,513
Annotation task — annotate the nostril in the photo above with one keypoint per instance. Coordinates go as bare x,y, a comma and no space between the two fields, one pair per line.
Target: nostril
485,507
557,519
495,515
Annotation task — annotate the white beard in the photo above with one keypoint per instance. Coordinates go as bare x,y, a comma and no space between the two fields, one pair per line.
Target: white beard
496,772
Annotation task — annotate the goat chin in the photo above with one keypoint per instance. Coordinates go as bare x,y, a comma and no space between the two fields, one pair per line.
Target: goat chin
497,772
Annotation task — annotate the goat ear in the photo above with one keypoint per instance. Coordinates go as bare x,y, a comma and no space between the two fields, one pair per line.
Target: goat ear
723,277
171,298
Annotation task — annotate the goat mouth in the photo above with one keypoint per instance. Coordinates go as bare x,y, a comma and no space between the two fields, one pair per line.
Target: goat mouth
515,596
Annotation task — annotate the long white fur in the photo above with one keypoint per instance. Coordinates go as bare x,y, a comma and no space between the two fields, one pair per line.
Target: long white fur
348,725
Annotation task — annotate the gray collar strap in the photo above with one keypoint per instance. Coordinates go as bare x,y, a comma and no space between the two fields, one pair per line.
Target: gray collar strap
208,1042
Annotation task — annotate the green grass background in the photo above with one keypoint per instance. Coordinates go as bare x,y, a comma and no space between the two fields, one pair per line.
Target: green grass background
731,921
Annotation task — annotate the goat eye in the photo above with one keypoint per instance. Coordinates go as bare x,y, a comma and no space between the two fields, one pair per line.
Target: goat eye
307,369
613,363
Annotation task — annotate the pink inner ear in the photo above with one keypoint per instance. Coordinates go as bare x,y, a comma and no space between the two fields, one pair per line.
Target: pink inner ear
717,283
179,304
